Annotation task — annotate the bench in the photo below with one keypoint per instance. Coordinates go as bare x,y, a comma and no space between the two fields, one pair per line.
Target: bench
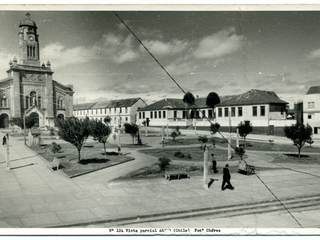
245,168
176,175
54,164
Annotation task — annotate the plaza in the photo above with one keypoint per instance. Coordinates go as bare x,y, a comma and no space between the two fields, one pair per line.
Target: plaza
32,196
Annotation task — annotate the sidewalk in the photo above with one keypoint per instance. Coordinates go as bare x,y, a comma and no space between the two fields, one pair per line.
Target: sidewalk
33,196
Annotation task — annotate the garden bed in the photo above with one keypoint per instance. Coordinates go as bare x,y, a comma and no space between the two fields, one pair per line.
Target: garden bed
193,154
92,158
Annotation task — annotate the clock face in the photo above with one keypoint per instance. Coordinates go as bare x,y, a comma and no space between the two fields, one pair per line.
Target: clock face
31,38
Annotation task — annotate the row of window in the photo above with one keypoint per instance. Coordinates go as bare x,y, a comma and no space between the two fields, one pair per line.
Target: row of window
115,119
99,111
239,111
310,105
153,115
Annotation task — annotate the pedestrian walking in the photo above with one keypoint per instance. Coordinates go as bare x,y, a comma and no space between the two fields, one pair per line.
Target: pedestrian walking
4,140
226,178
214,164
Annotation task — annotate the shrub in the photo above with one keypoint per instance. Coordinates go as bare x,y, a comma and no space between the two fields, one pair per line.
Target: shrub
188,156
55,148
52,132
163,163
178,154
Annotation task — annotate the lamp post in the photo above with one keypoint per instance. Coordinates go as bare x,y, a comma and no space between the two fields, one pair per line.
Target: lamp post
24,129
205,167
8,160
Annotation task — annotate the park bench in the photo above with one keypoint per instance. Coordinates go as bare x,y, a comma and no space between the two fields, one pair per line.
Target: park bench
54,164
245,168
176,175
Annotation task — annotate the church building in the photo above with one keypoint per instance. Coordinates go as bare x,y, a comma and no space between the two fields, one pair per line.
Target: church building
29,88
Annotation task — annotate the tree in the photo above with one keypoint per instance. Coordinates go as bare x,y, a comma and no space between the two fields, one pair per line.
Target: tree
30,122
214,128
188,99
107,120
240,151
212,100
202,140
75,131
163,163
174,135
244,129
132,129
55,148
299,134
100,132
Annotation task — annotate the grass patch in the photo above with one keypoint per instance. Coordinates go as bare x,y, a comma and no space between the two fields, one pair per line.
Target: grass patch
154,172
115,145
195,154
92,158
251,145
293,158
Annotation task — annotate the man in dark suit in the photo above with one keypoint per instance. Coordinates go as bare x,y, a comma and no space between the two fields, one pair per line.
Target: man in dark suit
226,179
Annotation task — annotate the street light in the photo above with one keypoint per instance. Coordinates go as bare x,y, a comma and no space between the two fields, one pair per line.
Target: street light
24,128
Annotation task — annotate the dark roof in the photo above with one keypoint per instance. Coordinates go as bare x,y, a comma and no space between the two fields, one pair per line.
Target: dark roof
249,98
252,97
116,103
83,106
167,103
314,90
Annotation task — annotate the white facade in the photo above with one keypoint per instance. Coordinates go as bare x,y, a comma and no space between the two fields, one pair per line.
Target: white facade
119,115
311,111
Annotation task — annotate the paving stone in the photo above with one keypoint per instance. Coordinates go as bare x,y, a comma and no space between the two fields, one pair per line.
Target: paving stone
75,216
104,211
40,220
51,207
12,222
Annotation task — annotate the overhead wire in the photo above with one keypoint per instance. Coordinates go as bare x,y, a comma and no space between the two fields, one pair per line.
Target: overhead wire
156,60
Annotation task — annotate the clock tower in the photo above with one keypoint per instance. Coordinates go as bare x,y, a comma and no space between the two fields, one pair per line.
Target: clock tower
29,42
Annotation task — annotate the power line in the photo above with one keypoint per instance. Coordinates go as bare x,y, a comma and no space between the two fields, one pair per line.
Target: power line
198,108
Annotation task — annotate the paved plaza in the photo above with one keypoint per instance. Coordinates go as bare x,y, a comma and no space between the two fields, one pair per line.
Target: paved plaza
32,196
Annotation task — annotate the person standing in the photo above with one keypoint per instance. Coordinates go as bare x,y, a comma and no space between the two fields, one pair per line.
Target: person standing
226,179
4,140
214,164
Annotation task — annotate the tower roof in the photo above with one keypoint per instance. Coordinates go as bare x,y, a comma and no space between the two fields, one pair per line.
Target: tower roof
28,22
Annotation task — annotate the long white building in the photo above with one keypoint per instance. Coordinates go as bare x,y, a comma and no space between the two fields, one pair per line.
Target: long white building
264,109
120,111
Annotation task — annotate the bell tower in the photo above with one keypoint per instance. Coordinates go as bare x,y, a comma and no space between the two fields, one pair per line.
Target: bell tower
29,42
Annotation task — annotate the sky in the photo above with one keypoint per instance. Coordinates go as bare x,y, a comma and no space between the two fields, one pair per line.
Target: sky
227,52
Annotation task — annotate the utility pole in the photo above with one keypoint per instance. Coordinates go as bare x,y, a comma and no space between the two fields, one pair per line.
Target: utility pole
205,167
229,139
24,129
8,159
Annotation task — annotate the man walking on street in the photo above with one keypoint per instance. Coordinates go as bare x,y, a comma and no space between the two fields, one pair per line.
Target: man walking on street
226,179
